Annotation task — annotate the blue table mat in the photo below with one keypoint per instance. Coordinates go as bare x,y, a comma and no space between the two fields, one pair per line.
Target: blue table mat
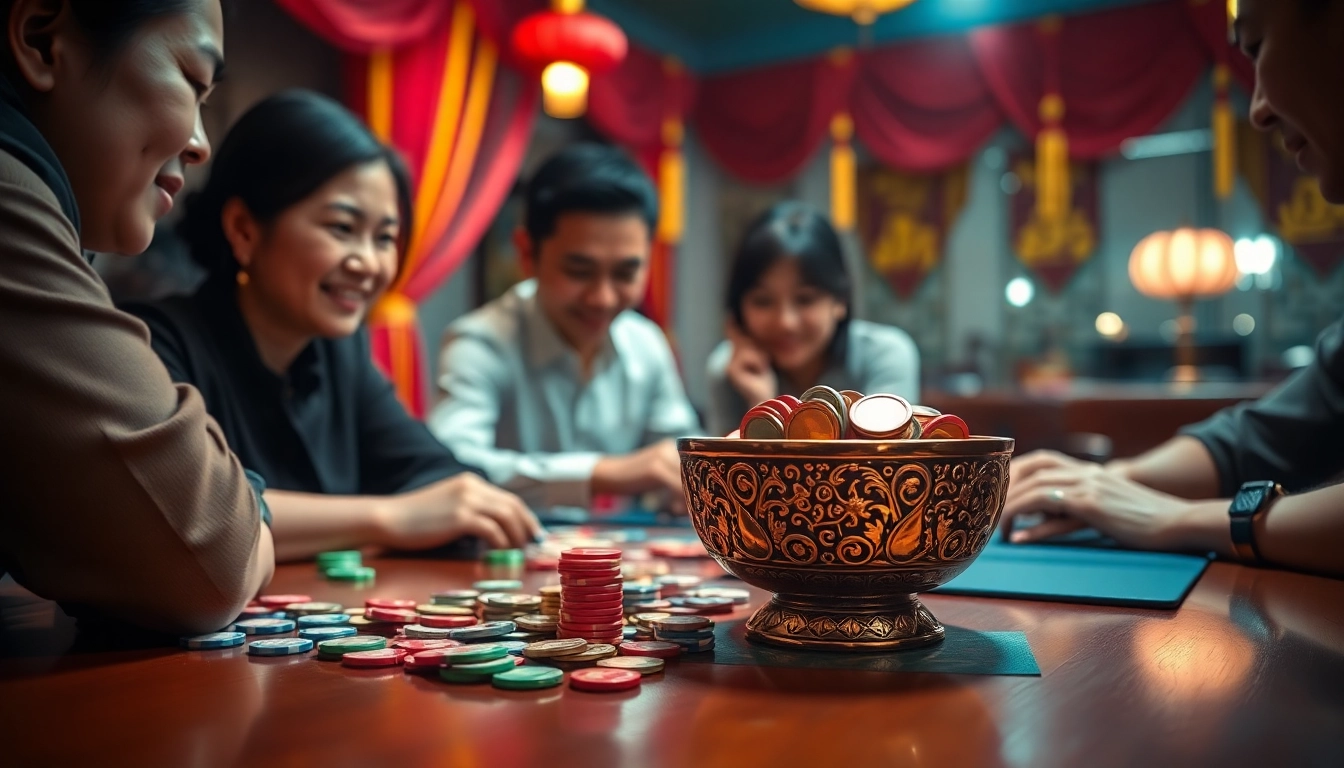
1091,575
962,652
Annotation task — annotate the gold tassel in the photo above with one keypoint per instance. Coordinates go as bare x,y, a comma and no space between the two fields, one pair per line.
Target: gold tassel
1053,187
671,184
1224,136
844,174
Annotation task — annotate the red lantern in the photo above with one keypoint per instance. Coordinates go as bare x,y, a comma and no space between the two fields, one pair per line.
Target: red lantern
566,46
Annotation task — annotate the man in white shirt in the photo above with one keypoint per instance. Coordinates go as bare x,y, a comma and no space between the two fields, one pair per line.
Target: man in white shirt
559,390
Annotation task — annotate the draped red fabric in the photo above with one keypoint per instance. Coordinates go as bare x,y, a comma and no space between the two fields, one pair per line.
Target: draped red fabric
360,26
629,103
496,18
763,124
508,129
923,106
1210,23
1121,73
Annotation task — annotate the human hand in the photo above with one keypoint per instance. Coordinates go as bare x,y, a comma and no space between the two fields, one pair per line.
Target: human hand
464,505
1076,494
749,371
655,467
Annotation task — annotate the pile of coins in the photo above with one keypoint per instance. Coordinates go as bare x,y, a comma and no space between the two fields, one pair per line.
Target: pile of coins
823,413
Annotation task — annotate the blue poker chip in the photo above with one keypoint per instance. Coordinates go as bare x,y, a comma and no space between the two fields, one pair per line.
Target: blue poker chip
264,626
318,634
515,646
324,620
280,646
213,640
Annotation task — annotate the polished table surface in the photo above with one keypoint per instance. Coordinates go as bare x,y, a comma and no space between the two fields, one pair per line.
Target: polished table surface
1249,671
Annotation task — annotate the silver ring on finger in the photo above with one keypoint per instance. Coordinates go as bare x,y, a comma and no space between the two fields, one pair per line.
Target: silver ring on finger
1056,495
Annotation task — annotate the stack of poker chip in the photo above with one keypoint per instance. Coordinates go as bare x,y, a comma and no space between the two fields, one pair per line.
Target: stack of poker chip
335,648
344,565
386,616
506,606
569,652
636,596
460,598
504,558
692,633
540,625
643,624
474,663
591,599
550,601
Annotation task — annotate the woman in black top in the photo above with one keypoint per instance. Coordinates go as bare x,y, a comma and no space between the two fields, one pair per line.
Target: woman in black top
301,227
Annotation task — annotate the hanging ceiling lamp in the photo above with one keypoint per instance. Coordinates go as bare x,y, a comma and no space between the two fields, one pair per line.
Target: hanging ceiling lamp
567,45
864,12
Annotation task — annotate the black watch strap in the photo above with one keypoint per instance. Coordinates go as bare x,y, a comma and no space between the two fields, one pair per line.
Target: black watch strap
1251,501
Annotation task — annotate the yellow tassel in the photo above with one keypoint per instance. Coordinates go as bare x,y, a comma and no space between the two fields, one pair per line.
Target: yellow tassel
379,86
1224,137
844,174
1053,188
671,184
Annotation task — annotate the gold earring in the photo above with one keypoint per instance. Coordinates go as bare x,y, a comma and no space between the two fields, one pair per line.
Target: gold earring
243,277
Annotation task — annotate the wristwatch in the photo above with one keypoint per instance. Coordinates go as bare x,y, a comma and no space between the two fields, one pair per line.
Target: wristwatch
1252,500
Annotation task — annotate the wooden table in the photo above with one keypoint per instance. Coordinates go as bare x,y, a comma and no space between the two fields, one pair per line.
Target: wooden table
1249,671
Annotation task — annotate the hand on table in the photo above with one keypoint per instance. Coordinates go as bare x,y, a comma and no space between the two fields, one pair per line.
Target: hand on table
655,467
1077,494
464,505
749,371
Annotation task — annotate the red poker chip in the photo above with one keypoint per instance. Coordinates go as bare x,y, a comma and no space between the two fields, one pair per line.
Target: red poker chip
388,602
569,590
656,648
946,427
432,657
604,629
415,645
601,598
257,610
790,401
543,564
591,638
383,657
590,553
604,679
589,565
280,601
395,615
591,617
447,622
585,581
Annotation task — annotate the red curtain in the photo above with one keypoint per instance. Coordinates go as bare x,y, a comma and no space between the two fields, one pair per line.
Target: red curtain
923,107
1209,21
1120,73
763,125
360,27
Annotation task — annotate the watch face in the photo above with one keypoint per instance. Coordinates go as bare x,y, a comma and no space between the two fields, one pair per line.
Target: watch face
1246,502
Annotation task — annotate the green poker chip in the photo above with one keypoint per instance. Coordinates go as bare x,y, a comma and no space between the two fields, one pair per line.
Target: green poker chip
505,557
528,678
473,654
480,672
339,646
350,573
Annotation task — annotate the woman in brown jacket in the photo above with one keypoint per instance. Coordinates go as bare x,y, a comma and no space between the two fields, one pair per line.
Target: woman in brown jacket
119,497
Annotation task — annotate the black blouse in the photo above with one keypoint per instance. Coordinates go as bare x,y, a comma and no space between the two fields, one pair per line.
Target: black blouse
331,425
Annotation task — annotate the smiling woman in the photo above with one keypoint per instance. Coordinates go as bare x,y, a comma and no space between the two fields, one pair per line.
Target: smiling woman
302,226
122,499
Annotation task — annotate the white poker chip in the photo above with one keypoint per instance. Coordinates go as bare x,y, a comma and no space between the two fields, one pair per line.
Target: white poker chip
213,640
280,646
264,626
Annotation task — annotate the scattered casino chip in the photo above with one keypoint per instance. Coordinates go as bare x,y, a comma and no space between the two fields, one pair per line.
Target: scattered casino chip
214,640
264,626
645,665
382,657
318,634
528,678
280,646
604,680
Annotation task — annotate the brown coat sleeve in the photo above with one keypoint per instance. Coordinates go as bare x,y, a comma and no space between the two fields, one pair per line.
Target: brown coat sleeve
118,493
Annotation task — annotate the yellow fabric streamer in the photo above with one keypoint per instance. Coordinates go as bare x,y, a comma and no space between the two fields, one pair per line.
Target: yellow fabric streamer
1053,186
1224,136
844,173
671,184
396,313
379,94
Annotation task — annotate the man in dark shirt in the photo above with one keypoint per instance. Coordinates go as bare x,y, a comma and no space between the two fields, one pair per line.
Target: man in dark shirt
1295,435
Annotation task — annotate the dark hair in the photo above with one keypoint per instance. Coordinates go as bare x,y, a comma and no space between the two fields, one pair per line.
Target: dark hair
110,25
278,153
588,178
798,231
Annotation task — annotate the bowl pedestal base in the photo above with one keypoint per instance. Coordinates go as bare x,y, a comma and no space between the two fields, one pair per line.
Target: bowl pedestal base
808,622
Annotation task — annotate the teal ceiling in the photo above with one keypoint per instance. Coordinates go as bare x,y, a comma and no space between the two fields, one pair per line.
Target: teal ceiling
723,35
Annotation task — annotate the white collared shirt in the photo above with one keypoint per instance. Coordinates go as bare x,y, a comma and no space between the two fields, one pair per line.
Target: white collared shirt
512,399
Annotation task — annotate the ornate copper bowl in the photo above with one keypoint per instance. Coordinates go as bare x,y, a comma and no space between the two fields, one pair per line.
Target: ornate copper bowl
845,532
